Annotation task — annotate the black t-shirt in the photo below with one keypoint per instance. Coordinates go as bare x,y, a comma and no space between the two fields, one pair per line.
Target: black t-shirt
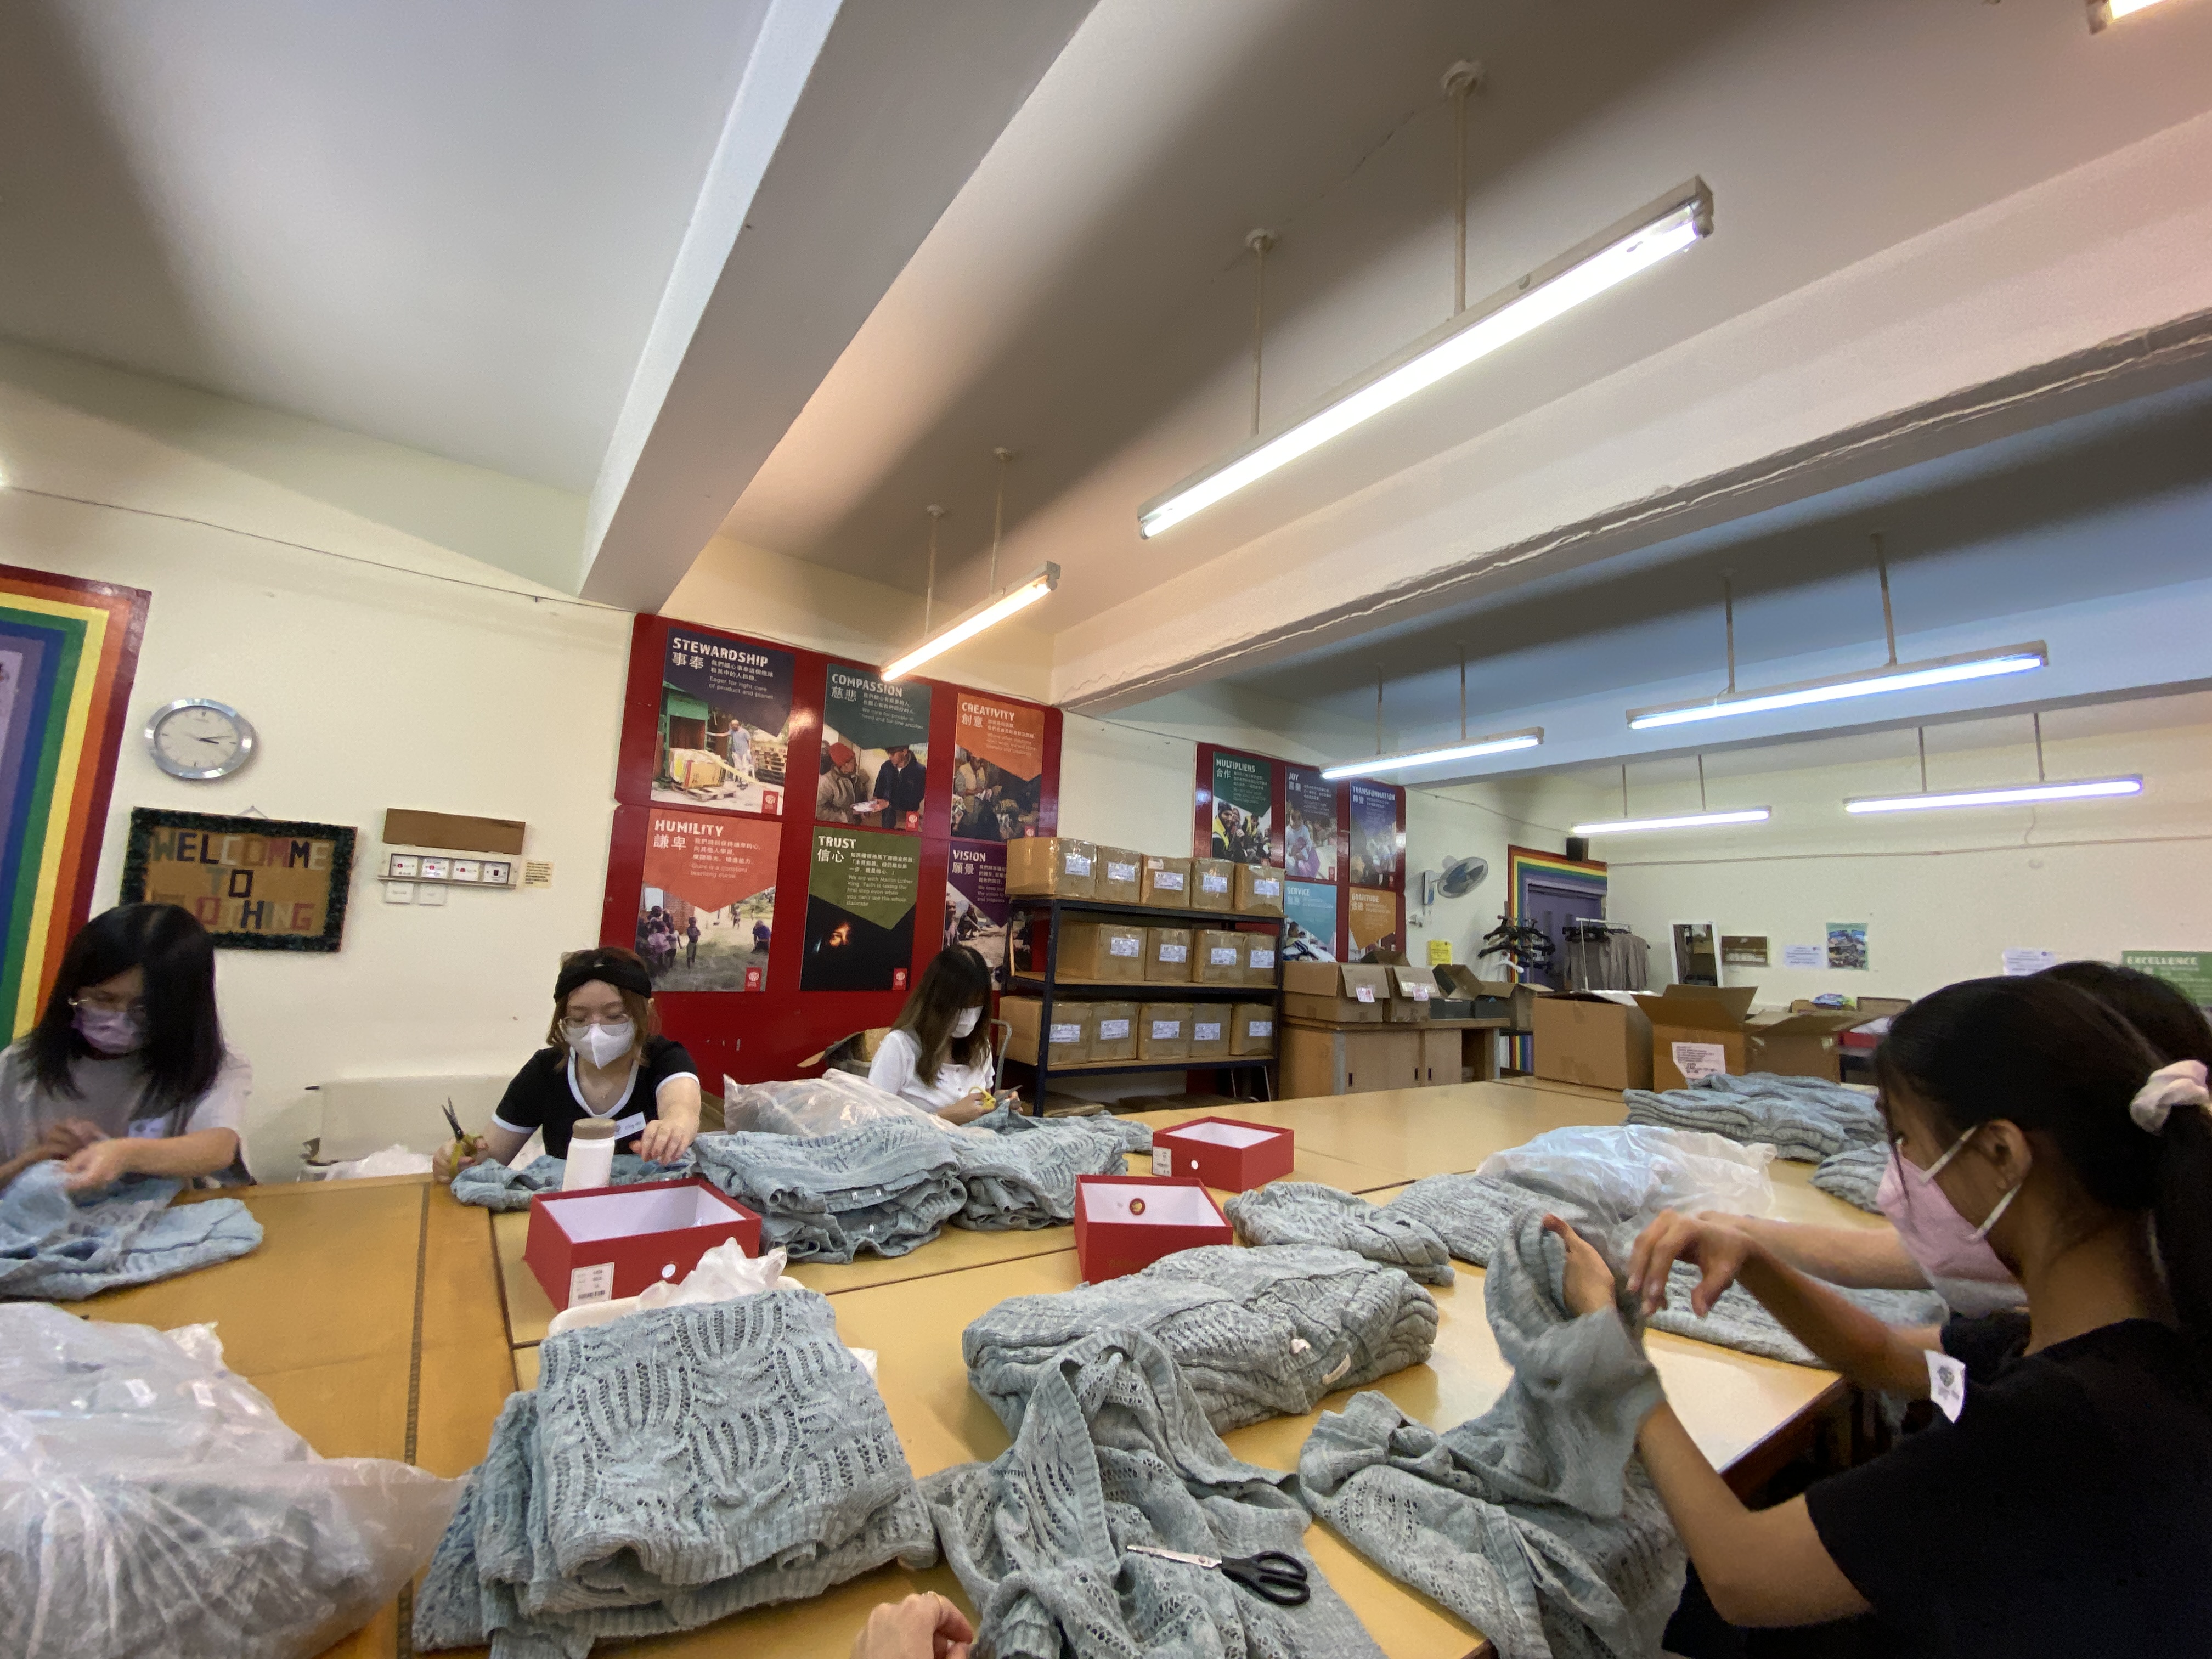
2068,1510
542,1096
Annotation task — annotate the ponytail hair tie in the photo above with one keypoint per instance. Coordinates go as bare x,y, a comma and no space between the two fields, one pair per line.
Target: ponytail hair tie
2181,1084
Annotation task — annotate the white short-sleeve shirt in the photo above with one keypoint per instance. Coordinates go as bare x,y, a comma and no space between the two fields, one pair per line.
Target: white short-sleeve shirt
110,1094
893,1072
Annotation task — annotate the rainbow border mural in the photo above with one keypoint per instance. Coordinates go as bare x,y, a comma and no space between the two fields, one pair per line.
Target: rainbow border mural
69,649
1521,862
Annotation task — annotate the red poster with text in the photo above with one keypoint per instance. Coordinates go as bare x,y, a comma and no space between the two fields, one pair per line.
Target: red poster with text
706,908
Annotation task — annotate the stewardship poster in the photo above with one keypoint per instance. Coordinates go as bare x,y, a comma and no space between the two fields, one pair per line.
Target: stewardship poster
1310,824
975,904
1244,808
875,750
861,895
725,725
997,761
708,905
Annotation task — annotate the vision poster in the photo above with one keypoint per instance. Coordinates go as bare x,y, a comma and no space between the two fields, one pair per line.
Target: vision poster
1374,921
975,904
1374,836
1244,808
1311,909
706,913
860,894
725,725
875,751
1309,825
998,768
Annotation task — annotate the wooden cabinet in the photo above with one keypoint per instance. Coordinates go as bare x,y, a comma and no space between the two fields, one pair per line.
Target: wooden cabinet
1439,1061
1340,1059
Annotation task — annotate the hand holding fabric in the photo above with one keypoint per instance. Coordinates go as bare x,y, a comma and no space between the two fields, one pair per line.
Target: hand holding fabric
1589,1285
919,1627
664,1141
101,1163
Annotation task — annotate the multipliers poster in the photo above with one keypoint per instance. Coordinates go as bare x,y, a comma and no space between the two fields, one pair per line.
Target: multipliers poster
860,893
875,750
1244,808
998,768
976,912
706,911
1308,824
725,725
1375,849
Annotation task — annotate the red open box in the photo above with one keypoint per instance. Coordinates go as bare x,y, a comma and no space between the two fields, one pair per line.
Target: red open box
1124,1222
606,1242
1225,1152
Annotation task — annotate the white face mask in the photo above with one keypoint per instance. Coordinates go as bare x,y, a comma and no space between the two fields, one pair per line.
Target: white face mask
602,1045
966,1022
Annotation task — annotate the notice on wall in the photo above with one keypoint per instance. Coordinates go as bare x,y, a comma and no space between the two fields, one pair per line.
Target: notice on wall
1310,907
1376,845
1847,945
875,750
1440,953
1804,956
1243,817
1374,922
975,904
998,768
1743,950
2189,972
708,905
860,890
2019,962
725,725
1308,824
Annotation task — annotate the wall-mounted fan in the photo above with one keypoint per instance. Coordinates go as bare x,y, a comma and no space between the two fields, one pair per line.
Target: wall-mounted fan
1461,876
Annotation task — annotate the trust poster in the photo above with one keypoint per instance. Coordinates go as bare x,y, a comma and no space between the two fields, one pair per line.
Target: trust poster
1374,835
1312,908
707,909
1243,814
724,724
1308,824
998,768
860,892
875,750
975,902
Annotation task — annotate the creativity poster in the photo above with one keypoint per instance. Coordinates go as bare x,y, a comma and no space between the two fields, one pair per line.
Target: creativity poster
1244,808
1308,824
975,902
860,893
998,768
1374,921
1374,846
875,750
706,910
1312,908
725,725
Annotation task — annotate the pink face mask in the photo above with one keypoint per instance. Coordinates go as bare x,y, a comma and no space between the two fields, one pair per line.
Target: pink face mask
1944,1243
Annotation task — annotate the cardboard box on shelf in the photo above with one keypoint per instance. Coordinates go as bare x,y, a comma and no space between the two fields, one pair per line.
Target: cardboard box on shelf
1118,877
1069,1044
1259,890
1492,999
1258,957
1252,1029
1411,989
1335,993
1110,951
1219,956
1163,1031
1213,885
1167,955
1792,1043
1113,1032
1126,1223
1695,1030
1166,883
1225,1152
1586,1039
1344,1060
1210,1025
606,1243
1052,866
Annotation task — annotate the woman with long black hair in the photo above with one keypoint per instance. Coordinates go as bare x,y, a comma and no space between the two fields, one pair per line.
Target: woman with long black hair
938,1056
126,1073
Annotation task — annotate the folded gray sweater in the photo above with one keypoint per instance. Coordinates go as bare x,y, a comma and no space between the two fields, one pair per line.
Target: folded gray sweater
1534,1522
492,1185
1133,1136
672,1468
1805,1118
886,1186
1256,1333
1854,1175
1307,1212
1114,1450
60,1246
1023,1174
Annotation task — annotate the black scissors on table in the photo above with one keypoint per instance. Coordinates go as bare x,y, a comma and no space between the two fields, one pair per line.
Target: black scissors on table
1271,1575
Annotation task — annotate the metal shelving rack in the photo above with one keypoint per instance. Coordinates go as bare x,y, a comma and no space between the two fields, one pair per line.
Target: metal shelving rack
1024,909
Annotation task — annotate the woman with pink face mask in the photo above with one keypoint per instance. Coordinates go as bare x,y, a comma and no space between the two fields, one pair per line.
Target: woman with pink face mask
125,1072
2058,1502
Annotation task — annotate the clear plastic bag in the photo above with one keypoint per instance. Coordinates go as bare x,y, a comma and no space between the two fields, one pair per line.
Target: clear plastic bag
1612,1177
816,1106
724,1273
151,1503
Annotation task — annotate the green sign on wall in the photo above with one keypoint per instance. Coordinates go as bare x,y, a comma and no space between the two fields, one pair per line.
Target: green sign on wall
2189,972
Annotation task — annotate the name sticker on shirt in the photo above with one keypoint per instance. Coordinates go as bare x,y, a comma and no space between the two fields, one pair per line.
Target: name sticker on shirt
1947,1384
150,1129
627,1127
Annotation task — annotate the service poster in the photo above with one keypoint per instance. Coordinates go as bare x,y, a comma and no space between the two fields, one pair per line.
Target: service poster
1308,824
875,750
1374,922
998,768
2189,972
861,895
975,902
1311,909
1374,836
708,907
725,725
1244,808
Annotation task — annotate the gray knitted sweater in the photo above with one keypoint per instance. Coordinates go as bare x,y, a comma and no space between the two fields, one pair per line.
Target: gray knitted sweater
672,1468
886,1186
1805,1118
1854,1175
492,1185
1114,1450
60,1246
1257,1333
1023,1174
1534,1522
1307,1212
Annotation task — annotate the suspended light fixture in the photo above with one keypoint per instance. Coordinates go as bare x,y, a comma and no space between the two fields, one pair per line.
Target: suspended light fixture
1700,819
2002,795
1642,239
2103,13
1892,676
992,610
1465,749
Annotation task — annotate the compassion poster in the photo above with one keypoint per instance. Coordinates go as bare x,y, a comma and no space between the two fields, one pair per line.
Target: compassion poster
1374,835
707,911
975,904
1243,809
1374,922
1308,824
725,725
875,751
861,891
1311,909
998,768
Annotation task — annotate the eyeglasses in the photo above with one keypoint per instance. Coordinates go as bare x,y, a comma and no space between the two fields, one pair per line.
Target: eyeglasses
101,1003
615,1018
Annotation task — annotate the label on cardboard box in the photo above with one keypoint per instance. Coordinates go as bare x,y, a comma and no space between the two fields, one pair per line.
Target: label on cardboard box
1206,1033
1260,1028
1420,992
1174,953
1363,992
1263,958
1113,1031
1168,881
592,1284
1120,872
1166,1031
1213,881
1267,887
1121,945
1700,1060
1067,1033
1077,864
1222,956
1164,1161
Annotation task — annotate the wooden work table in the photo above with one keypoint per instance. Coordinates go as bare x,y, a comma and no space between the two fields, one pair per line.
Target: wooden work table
384,1319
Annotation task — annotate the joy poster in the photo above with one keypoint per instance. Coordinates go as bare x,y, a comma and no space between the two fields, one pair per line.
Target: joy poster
725,725
975,904
1312,908
1374,921
861,895
998,768
1374,836
1244,808
708,906
875,750
1309,826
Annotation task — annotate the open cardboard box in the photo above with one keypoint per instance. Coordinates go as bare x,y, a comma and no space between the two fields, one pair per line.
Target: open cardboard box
1126,1223
1225,1152
1335,993
608,1242
1593,1041
1410,991
1492,999
1697,1030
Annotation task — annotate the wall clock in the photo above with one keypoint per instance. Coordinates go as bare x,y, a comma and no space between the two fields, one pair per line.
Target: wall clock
198,738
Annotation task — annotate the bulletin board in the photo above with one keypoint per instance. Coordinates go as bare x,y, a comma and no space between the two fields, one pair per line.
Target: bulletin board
804,932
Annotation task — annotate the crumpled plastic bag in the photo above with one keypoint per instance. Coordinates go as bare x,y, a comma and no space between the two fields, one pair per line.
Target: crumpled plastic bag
724,1273
1608,1178
393,1160
821,1105
151,1503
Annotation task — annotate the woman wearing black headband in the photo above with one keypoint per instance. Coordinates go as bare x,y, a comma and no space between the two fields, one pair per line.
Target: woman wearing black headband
605,1058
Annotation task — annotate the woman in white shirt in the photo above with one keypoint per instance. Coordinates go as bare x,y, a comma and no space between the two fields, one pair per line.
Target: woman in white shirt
938,1056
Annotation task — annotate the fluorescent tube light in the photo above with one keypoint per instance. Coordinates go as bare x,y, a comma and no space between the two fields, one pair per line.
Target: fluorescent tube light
1667,226
1499,745
986,615
2004,797
1690,821
2103,13
1898,676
